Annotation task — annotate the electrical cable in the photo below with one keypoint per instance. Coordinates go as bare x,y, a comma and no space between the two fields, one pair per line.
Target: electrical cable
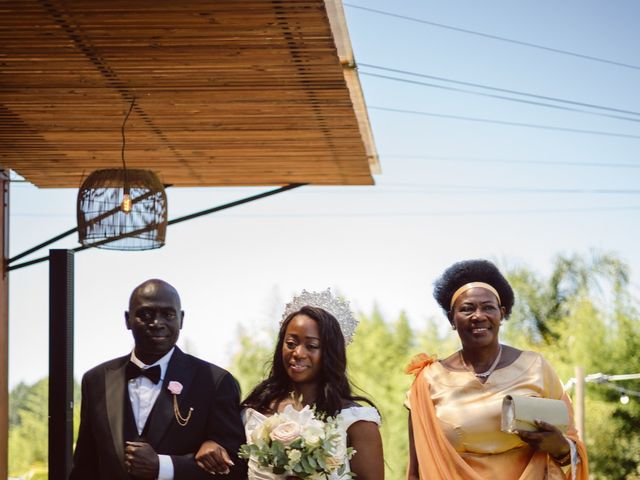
494,37
499,97
439,189
497,89
494,189
503,122
508,161
436,213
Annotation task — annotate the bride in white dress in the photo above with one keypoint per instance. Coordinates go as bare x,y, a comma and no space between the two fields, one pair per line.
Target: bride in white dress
309,368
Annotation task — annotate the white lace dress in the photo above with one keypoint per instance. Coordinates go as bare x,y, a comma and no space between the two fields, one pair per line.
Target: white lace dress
347,417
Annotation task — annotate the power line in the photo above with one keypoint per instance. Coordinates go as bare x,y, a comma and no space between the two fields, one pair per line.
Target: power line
503,122
384,189
497,89
494,189
404,189
495,37
434,213
409,188
499,97
510,161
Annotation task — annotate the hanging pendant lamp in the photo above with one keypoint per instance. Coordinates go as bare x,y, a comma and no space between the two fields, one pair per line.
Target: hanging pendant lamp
121,208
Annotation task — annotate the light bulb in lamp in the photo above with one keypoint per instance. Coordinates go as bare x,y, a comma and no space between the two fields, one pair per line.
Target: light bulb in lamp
126,203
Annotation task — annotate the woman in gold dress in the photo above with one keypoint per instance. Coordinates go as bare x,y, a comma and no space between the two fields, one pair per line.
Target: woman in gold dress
455,403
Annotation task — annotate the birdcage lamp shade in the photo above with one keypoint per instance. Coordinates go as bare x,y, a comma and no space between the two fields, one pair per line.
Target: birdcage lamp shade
107,219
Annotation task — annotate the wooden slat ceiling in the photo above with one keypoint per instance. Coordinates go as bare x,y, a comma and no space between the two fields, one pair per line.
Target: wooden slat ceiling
228,92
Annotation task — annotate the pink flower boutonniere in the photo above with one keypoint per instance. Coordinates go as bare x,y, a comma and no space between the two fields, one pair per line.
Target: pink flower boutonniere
175,388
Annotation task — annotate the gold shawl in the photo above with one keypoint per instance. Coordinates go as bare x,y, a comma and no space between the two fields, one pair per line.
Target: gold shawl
439,460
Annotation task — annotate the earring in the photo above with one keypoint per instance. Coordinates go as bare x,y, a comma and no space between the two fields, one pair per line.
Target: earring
453,326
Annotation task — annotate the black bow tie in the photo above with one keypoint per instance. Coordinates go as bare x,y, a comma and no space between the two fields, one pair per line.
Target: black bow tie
134,371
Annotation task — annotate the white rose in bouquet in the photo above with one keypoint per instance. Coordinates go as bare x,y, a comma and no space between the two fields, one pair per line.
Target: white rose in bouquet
313,433
299,443
287,433
259,437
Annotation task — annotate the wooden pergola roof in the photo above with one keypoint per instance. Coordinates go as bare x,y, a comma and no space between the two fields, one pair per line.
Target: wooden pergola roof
228,92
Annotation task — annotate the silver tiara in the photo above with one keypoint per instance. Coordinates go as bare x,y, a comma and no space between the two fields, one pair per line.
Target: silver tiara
335,306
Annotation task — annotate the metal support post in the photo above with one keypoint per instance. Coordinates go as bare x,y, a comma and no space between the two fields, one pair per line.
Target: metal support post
61,269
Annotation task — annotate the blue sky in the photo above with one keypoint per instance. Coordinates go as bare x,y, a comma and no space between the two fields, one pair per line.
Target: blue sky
449,189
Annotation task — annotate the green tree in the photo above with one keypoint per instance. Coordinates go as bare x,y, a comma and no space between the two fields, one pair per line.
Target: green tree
28,429
615,420
17,397
28,435
542,304
252,361
583,314
437,338
377,357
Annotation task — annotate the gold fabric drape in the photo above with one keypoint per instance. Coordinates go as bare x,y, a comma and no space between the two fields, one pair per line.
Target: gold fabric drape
456,422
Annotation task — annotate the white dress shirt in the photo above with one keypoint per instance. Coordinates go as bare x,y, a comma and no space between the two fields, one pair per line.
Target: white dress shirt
143,394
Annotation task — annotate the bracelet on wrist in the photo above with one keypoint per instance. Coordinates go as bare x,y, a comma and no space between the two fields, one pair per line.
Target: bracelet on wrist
564,460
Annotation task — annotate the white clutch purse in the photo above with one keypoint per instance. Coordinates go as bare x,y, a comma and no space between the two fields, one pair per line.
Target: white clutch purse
520,412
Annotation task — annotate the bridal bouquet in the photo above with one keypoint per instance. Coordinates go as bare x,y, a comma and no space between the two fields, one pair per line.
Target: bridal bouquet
299,443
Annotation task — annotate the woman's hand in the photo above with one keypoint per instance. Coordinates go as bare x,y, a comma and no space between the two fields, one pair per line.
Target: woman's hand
547,438
213,458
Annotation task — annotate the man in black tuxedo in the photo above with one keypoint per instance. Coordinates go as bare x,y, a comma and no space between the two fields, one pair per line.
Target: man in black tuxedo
144,415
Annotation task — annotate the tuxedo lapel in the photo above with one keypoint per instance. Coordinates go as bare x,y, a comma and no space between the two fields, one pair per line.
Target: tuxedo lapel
180,369
114,384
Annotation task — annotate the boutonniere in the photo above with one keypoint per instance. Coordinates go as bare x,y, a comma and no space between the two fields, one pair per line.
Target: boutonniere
175,388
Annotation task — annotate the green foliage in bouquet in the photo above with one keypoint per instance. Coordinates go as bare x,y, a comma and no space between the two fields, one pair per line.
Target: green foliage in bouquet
301,444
